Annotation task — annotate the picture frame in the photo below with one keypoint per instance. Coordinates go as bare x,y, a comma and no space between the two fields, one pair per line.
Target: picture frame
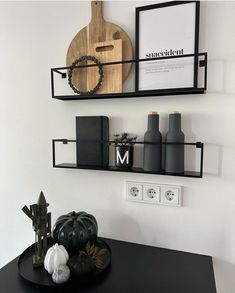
163,30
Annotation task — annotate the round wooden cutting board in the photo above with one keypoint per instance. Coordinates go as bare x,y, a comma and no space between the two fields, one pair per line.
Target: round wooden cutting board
98,30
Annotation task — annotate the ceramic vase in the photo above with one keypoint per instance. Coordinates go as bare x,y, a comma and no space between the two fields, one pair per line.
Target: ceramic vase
153,152
174,161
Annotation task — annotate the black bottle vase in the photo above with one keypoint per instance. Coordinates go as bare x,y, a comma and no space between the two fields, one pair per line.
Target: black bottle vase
174,162
152,152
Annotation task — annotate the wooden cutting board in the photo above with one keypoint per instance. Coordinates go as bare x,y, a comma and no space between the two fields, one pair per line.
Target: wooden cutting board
97,31
112,81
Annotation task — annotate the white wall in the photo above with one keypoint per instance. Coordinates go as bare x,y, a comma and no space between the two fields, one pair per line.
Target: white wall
34,36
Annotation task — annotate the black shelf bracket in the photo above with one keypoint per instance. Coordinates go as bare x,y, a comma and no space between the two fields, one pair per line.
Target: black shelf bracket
63,74
192,174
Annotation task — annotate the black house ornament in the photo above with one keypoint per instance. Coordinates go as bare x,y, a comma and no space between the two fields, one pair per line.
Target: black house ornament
41,221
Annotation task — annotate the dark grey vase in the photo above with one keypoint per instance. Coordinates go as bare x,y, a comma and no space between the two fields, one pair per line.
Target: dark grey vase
174,153
152,152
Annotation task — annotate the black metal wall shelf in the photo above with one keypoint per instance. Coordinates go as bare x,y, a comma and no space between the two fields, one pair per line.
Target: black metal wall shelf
192,174
200,60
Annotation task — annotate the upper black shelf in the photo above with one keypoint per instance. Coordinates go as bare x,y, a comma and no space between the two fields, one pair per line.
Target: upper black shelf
150,93
62,72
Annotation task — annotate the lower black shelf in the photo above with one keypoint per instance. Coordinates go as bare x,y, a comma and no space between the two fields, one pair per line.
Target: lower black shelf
191,174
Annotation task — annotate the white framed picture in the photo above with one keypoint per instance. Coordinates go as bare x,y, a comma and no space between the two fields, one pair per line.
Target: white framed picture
167,31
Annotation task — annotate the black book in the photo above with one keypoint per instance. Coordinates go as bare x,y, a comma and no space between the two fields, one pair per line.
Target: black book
90,132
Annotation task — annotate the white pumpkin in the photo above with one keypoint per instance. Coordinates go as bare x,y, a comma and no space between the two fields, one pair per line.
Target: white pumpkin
61,274
55,256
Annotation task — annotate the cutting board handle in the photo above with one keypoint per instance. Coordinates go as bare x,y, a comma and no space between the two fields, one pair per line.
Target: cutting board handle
97,11
104,48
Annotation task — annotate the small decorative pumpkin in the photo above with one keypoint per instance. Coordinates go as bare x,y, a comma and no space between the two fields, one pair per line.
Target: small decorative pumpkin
74,230
81,264
55,256
61,274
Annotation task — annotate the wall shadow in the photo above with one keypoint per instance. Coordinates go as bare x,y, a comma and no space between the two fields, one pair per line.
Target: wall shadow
213,159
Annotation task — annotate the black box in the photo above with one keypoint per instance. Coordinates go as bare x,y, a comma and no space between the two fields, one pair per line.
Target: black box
94,129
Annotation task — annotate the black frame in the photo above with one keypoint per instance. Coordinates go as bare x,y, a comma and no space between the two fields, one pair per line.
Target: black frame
196,43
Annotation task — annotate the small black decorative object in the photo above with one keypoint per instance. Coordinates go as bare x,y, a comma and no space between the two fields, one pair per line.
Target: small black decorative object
81,264
42,227
175,152
124,150
75,64
94,256
153,152
74,230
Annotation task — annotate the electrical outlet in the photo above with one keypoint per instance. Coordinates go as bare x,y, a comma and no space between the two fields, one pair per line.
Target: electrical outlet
134,191
154,193
171,195
151,193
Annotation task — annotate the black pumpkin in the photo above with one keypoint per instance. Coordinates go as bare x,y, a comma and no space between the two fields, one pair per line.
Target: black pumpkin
81,265
74,230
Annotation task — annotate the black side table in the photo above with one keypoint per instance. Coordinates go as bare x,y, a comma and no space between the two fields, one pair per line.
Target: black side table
135,269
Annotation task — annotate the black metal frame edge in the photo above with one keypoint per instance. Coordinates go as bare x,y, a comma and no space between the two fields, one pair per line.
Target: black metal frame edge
151,93
57,69
187,174
198,144
196,41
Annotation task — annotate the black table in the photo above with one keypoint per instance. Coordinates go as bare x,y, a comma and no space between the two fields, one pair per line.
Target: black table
135,268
